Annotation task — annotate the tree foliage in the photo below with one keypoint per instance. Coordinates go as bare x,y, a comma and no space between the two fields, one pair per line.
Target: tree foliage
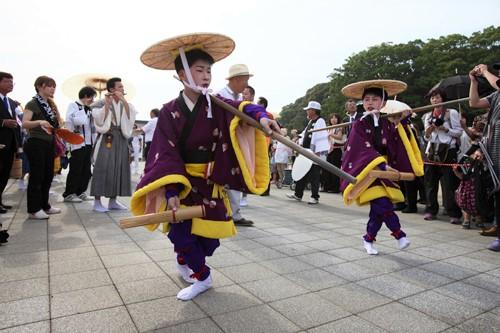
420,64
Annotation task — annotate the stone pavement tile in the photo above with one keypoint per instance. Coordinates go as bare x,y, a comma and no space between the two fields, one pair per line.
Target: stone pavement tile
321,244
119,248
163,312
123,259
351,271
273,289
258,319
24,258
485,323
470,294
421,277
286,265
24,311
108,240
16,248
242,244
161,254
205,325
309,310
348,325
247,272
225,299
273,241
15,290
442,307
495,272
485,281
81,280
301,238
485,255
23,272
135,272
408,258
155,244
108,320
471,263
282,231
253,233
262,253
382,264
352,230
478,244
320,259
315,279
348,253
449,270
75,265
38,327
395,317
85,300
70,254
294,249
496,310
354,298
219,260
145,290
68,243
440,251
390,286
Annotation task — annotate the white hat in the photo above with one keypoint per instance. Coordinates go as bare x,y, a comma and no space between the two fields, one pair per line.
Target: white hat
238,70
313,105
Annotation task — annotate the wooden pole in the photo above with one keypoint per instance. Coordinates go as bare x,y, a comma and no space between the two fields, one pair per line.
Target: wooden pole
185,213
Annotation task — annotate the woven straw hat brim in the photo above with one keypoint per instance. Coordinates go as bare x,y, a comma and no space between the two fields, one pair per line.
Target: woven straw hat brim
355,90
72,86
162,54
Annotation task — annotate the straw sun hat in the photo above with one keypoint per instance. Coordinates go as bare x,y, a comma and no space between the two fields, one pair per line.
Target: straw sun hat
162,54
355,90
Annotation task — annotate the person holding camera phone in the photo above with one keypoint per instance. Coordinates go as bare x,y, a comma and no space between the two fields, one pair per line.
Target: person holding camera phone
442,133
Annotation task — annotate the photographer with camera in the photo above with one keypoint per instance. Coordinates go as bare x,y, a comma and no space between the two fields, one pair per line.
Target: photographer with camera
442,133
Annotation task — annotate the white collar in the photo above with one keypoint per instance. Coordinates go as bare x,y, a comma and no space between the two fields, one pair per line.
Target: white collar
188,101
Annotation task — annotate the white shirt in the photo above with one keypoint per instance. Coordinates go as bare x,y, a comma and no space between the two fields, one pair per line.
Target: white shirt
149,129
78,119
17,110
226,92
451,122
319,140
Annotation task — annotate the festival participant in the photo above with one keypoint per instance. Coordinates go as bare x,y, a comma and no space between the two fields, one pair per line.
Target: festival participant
379,143
114,119
197,153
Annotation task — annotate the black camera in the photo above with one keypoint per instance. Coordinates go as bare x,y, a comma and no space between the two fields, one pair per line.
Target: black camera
437,121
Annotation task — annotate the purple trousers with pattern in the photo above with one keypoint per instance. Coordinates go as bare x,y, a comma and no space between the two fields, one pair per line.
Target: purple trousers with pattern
382,210
192,249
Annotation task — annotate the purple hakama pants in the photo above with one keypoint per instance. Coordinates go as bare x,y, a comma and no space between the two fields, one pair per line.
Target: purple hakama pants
382,210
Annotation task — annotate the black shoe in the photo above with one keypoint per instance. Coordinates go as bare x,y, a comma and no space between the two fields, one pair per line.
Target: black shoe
3,210
409,210
243,222
3,236
6,206
399,206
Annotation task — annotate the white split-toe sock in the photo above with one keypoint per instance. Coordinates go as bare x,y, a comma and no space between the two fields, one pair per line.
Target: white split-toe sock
115,205
370,249
403,243
195,289
185,273
98,207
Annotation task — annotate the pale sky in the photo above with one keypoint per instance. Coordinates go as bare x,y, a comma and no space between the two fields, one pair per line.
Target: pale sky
288,45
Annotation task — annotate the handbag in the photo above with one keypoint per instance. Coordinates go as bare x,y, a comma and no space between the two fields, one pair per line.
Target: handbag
59,147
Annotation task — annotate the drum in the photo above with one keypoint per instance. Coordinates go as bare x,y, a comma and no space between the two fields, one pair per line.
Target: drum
301,167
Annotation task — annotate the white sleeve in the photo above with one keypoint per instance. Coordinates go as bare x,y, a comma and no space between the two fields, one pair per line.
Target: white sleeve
456,129
148,127
79,117
102,125
126,123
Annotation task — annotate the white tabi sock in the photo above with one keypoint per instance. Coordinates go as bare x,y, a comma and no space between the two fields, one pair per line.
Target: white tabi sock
403,243
195,289
113,204
370,249
98,207
185,273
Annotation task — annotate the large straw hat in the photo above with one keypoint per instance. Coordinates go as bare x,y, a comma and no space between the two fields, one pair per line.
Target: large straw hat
162,54
72,86
355,90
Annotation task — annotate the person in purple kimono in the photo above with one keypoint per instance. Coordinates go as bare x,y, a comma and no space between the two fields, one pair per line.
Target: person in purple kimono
197,153
384,144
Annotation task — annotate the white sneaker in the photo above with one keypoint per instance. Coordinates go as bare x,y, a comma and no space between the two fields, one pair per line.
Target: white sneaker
185,273
369,247
313,201
243,202
53,210
403,243
72,198
40,215
115,205
98,207
85,197
293,196
195,289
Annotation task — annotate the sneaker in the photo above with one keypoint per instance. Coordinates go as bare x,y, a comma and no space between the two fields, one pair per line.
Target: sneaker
455,220
403,243
85,197
243,202
429,217
495,245
40,215
293,196
72,198
53,210
195,289
243,222
313,201
370,249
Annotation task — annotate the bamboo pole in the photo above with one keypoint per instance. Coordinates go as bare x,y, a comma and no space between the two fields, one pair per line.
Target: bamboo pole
184,213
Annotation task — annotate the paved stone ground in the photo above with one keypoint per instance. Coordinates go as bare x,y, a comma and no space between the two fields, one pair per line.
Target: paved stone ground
301,269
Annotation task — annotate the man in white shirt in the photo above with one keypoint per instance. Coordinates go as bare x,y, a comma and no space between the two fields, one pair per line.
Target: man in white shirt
79,120
318,143
149,130
237,81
